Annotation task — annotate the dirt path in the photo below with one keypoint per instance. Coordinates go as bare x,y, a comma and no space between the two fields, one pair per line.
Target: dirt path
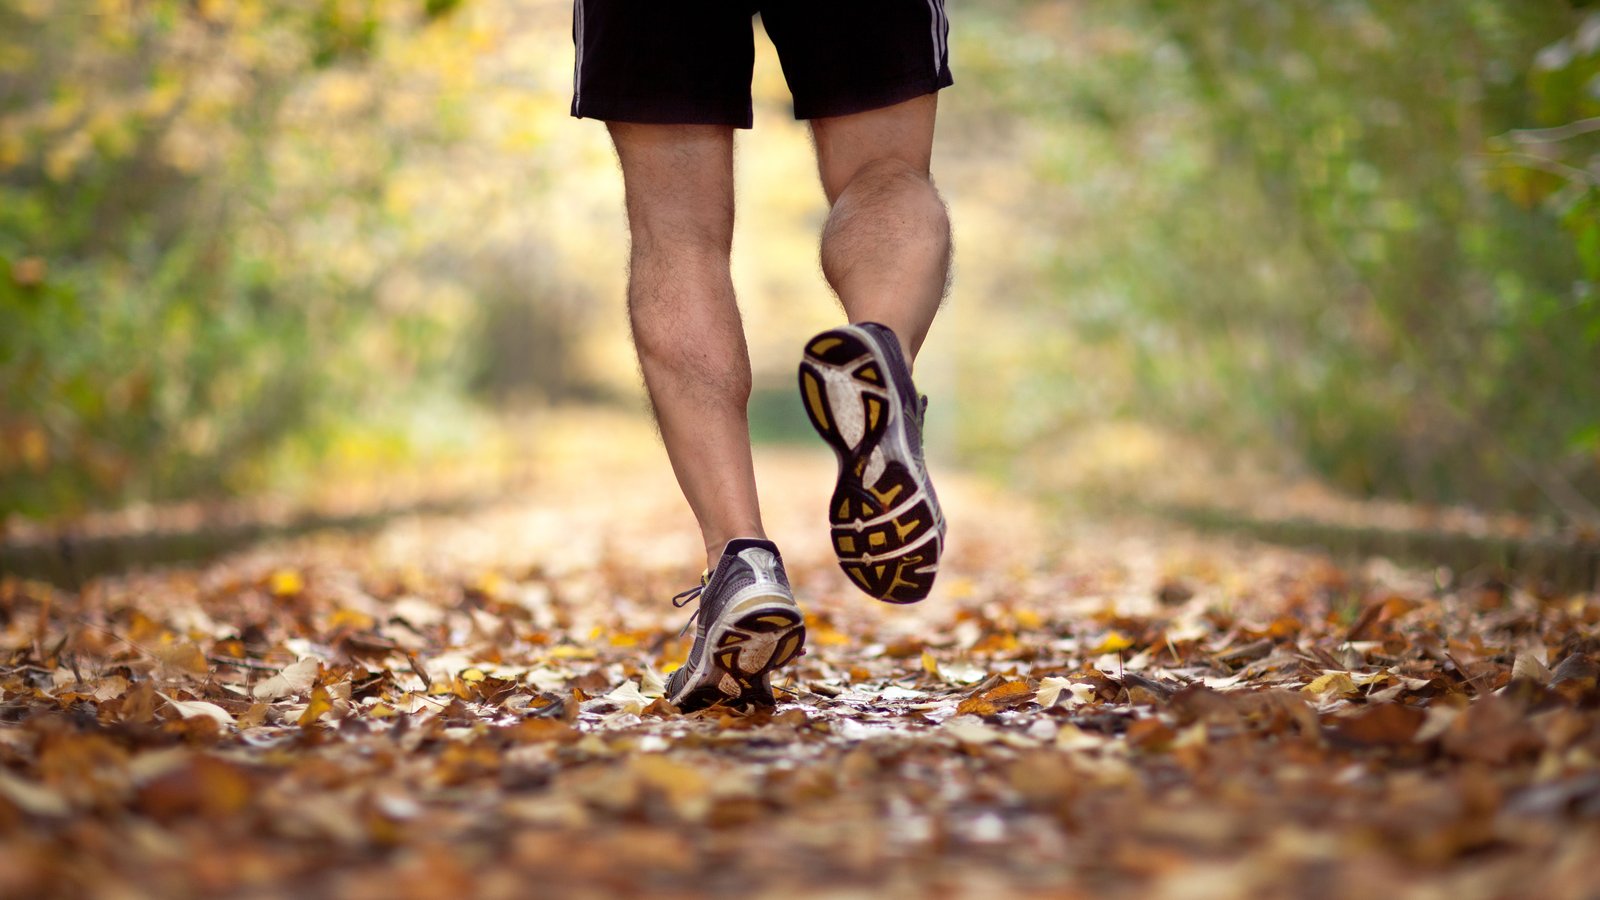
468,707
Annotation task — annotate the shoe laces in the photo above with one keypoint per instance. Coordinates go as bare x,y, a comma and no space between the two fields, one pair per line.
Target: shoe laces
684,598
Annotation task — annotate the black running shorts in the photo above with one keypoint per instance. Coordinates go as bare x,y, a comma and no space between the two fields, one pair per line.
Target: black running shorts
688,62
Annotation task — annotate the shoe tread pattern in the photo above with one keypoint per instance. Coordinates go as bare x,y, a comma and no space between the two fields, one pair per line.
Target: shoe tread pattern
746,653
885,533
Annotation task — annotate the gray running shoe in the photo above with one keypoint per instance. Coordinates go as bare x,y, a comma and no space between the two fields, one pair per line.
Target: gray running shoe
888,531
746,626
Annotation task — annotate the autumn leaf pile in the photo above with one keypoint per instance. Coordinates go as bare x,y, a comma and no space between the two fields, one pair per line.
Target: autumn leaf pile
471,706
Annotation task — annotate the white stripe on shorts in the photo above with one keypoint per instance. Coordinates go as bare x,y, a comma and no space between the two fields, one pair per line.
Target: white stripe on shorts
936,9
577,63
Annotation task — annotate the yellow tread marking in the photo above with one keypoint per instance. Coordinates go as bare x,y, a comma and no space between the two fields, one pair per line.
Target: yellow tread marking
847,544
879,570
814,399
870,375
774,620
822,346
887,497
786,648
877,539
858,576
844,509
874,411
907,528
898,581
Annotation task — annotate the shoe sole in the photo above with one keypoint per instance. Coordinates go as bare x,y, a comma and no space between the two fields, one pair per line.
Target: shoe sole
887,534
742,649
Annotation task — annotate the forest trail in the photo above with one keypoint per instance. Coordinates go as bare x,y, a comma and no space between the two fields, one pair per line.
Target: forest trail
469,705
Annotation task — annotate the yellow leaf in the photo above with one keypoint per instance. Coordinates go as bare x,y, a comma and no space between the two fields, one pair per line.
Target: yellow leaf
490,585
286,583
473,675
824,634
1027,619
1115,642
319,706
1333,682
929,664
349,618
571,651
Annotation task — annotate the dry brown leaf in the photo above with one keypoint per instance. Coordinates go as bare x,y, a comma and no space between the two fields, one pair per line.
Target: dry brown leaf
293,679
181,659
975,706
190,709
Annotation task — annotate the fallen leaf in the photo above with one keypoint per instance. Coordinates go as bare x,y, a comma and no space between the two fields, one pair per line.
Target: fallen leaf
182,658
1492,730
294,679
975,706
1055,691
190,709
1113,642
316,707
1338,683
970,730
628,697
651,684
285,583
1009,690
1387,724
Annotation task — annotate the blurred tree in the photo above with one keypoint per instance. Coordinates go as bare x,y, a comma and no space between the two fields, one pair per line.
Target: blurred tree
193,232
1364,231
1450,354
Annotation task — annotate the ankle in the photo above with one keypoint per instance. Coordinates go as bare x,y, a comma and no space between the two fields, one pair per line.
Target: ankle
715,548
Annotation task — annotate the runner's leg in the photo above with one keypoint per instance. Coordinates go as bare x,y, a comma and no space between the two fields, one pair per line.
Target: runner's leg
886,244
679,186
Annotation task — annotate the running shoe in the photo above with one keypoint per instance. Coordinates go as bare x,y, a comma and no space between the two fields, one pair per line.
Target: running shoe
746,626
888,531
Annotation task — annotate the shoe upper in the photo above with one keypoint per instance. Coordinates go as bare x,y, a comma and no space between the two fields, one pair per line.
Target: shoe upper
748,568
913,407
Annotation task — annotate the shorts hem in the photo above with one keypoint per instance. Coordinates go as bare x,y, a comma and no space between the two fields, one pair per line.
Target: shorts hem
887,95
621,113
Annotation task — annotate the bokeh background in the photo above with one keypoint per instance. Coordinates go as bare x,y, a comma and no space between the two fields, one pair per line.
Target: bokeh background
1279,257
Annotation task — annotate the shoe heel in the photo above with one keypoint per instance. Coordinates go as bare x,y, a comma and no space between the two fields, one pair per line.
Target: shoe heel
761,642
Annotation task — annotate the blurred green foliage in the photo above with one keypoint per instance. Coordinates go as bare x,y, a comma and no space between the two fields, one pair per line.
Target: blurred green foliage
1365,232
1359,237
186,267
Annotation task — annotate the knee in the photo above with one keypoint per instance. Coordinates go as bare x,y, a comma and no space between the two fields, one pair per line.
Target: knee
892,190
890,171
707,366
679,226
890,177
684,242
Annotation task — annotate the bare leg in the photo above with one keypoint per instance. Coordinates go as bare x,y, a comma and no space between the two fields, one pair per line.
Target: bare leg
686,327
886,246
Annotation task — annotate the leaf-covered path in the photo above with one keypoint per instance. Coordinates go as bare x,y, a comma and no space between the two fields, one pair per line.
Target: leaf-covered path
469,706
